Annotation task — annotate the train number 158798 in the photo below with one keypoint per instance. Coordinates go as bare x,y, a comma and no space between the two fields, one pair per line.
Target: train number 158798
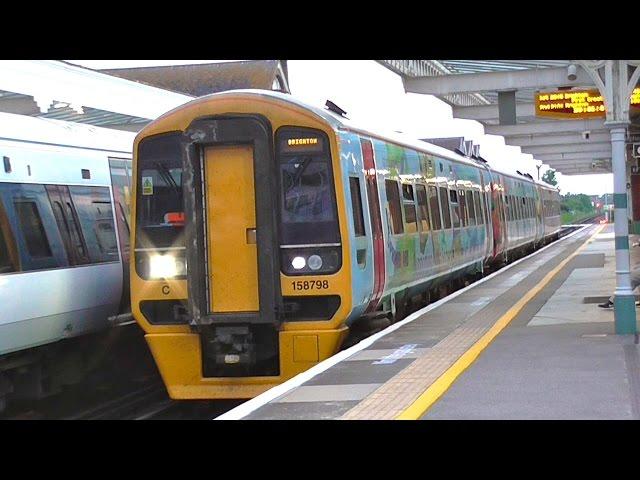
310,284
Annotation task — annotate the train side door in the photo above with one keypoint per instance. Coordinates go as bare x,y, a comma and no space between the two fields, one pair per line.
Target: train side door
121,186
486,215
376,222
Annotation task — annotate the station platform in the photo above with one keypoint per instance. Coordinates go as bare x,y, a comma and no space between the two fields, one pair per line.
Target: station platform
526,342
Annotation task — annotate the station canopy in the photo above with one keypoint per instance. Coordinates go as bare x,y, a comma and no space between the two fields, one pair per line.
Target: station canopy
551,109
123,99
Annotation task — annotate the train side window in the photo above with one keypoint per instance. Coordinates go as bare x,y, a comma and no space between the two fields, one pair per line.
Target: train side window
478,208
436,223
76,235
409,207
444,202
455,208
93,206
64,227
472,207
532,203
356,206
6,264
423,208
33,229
462,208
393,202
507,207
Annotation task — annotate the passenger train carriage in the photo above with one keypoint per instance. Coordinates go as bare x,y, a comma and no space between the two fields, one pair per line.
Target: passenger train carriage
63,246
266,228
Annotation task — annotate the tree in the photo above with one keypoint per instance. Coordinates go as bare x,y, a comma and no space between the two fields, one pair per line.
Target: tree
550,177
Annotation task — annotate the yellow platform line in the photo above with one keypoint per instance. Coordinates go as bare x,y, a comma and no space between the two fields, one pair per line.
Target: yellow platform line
419,407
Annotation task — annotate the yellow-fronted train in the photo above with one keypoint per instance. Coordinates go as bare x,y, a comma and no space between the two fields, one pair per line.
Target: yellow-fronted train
265,230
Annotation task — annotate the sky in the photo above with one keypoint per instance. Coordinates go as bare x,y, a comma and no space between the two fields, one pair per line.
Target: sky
373,96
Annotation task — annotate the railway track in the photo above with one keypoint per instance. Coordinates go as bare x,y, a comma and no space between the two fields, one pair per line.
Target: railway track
142,402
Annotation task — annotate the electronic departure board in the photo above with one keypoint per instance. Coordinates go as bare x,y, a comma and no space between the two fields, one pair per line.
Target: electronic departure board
575,103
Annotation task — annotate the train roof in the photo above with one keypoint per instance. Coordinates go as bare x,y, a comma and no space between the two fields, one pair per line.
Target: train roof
57,132
340,122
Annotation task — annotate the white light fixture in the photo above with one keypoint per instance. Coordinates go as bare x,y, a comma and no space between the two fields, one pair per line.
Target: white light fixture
315,262
162,266
298,263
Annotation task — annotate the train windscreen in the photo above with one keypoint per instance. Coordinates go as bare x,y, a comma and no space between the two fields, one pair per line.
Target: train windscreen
160,210
307,207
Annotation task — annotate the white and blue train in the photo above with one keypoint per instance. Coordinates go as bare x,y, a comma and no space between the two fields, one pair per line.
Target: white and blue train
64,247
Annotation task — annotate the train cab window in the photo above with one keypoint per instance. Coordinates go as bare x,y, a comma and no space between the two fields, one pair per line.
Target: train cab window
471,207
159,192
423,208
308,212
393,203
95,215
444,202
32,229
356,206
434,208
408,202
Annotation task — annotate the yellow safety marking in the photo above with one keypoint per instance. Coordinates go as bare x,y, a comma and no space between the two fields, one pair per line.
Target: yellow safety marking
233,256
418,408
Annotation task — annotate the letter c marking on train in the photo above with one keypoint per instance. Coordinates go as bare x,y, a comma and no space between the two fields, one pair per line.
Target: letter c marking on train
166,289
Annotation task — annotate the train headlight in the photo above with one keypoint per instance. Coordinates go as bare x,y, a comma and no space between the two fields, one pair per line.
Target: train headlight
314,262
163,266
311,260
298,263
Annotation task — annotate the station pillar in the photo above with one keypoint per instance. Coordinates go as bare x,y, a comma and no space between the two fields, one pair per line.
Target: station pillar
624,300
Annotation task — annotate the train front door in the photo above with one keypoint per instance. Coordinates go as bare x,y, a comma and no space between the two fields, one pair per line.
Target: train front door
231,229
230,187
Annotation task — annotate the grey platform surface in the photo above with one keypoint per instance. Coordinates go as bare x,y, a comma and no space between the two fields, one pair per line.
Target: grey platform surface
557,359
